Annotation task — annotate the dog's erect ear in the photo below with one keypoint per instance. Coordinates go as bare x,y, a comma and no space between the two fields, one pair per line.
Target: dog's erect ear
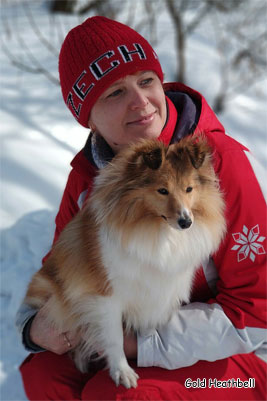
188,151
196,153
154,158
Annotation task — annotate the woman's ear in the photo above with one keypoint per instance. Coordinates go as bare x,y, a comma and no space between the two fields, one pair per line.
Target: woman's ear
91,125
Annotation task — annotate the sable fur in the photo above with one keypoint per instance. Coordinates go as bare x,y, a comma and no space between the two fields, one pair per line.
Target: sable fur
124,257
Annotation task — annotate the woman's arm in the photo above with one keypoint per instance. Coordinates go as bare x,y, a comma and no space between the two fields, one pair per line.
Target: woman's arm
30,322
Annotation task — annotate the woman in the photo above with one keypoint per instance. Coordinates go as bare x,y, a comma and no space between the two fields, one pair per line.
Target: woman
212,348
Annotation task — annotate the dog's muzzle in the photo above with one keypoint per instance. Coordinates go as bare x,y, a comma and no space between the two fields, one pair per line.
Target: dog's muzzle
184,222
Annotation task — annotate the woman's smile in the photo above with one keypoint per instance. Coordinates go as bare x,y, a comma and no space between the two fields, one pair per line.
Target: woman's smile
143,120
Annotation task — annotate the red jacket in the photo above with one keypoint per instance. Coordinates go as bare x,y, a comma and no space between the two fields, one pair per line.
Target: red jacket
228,309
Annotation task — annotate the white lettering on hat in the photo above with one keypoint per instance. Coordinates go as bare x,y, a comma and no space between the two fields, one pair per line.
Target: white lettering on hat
79,89
127,54
70,102
97,70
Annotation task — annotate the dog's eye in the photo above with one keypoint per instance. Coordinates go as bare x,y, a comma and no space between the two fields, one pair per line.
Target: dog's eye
189,189
163,191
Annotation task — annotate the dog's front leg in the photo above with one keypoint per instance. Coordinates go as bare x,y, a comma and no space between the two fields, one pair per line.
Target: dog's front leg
112,340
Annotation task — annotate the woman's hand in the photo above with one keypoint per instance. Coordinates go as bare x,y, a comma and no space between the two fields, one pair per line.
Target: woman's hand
49,338
130,345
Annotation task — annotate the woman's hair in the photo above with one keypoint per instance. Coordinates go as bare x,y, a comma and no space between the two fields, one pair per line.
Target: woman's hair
94,55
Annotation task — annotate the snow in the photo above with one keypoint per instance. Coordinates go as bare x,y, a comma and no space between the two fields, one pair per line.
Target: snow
39,138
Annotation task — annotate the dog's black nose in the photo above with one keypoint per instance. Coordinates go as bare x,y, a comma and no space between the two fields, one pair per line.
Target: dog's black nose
184,223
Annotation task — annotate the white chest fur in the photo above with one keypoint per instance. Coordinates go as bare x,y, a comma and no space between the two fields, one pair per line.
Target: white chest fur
153,273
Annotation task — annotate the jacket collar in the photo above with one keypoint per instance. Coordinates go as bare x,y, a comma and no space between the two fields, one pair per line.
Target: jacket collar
195,115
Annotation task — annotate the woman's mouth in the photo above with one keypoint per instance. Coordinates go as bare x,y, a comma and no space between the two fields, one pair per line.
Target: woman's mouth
143,120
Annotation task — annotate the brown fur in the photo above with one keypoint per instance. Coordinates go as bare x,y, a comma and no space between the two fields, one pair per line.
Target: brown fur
126,195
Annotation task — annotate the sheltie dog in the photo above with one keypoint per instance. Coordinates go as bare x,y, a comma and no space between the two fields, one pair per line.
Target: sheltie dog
128,258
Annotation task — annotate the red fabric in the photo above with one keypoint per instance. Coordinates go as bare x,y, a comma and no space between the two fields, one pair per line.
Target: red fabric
208,122
242,282
48,376
167,132
92,58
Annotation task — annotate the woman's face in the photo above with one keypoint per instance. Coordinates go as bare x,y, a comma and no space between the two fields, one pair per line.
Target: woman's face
132,108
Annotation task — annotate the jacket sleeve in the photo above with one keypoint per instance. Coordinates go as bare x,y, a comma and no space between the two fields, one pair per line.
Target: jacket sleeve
24,317
234,321
69,205
75,193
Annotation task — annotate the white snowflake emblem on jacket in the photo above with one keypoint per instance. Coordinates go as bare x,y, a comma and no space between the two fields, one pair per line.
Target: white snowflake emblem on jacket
249,243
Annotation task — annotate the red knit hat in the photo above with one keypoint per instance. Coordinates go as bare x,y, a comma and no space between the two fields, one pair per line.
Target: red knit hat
94,55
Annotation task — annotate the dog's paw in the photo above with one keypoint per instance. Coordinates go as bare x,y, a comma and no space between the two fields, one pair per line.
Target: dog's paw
125,376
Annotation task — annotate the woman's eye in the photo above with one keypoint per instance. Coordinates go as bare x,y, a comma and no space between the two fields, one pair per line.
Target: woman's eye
163,191
146,81
115,93
189,189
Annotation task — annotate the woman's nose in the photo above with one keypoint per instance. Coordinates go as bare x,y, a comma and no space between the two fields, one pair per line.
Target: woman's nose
138,99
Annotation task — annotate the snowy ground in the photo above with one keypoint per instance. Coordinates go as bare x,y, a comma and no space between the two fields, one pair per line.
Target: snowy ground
39,139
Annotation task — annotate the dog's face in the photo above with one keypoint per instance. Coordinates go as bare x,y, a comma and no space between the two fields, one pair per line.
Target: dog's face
172,195
150,183
165,183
